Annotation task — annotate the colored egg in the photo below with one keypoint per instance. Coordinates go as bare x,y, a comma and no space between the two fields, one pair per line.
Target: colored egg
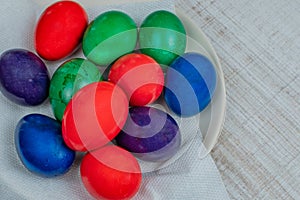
40,146
190,84
150,134
24,78
106,71
60,29
94,116
111,35
110,173
163,37
67,80
140,76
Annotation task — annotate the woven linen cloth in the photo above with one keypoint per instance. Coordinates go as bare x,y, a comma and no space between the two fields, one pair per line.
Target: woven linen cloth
258,42
188,178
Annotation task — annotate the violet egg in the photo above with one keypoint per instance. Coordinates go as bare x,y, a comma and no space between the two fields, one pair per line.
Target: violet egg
150,134
24,78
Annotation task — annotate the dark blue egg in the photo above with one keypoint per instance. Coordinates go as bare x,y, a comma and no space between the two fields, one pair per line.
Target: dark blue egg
40,146
24,78
190,84
150,134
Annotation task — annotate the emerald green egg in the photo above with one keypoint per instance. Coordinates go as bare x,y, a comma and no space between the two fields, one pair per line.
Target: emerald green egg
111,35
163,37
67,80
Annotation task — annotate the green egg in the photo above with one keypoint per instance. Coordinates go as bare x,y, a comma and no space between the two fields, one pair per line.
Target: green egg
67,80
163,37
111,35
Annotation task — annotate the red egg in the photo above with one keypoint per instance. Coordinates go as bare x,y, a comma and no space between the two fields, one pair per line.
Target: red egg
111,173
60,29
94,116
140,76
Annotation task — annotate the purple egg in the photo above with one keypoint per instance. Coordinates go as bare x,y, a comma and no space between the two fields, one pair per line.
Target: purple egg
150,134
24,78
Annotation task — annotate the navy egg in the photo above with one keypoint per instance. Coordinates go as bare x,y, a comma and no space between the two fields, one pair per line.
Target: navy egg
150,134
190,84
24,78
40,146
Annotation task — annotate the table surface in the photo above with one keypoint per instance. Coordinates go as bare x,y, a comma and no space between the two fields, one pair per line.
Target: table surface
258,42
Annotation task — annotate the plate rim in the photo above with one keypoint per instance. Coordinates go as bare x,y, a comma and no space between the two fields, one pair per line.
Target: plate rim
213,133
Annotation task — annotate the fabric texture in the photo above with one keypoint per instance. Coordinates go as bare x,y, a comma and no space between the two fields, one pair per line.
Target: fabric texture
258,42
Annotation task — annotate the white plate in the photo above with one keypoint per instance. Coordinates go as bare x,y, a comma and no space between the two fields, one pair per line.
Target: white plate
207,125
212,118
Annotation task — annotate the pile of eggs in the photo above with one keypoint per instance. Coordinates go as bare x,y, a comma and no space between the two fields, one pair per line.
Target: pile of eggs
94,109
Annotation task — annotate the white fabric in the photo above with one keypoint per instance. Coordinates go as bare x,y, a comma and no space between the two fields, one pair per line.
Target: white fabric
188,177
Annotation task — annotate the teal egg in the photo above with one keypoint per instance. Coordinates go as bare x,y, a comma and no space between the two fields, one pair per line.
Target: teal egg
67,80
163,37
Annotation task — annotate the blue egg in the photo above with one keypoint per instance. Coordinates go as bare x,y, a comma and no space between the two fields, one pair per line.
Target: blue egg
40,146
150,134
190,84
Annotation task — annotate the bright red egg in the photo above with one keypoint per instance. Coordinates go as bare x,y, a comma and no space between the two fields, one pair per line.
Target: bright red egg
94,116
60,29
111,173
140,76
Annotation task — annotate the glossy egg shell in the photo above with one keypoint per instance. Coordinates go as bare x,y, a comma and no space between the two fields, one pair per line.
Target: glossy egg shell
94,116
40,146
140,76
150,134
163,37
60,29
111,35
110,173
24,78
190,84
67,80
